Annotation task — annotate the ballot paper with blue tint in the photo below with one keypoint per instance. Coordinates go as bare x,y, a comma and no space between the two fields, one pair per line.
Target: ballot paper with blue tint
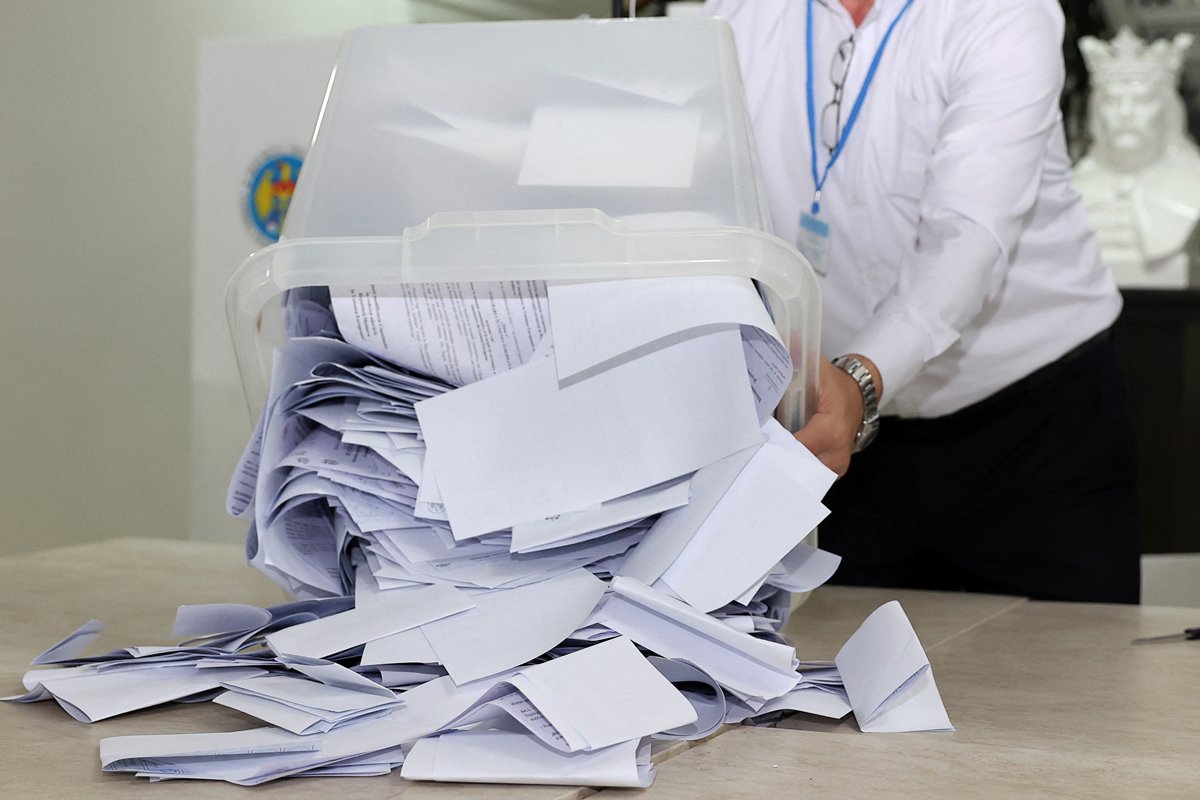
602,518
90,695
459,332
301,705
249,758
818,698
597,324
888,678
265,754
751,668
725,558
402,609
502,756
495,636
672,530
517,447
315,696
701,690
209,618
626,698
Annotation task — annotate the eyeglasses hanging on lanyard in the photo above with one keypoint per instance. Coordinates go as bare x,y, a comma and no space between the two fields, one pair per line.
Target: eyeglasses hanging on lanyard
841,61
831,114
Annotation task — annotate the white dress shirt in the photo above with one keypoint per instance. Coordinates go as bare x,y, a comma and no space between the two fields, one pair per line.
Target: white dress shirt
959,256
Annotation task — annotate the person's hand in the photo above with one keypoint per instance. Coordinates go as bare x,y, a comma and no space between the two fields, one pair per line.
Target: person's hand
831,432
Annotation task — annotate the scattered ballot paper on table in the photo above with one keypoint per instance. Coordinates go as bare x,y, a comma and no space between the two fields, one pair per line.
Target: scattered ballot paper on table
592,698
823,701
499,756
701,691
751,668
252,757
301,705
495,635
72,645
523,574
402,609
888,677
210,618
90,696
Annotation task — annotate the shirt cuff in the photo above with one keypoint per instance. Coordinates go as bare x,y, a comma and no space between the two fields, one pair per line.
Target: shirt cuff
896,341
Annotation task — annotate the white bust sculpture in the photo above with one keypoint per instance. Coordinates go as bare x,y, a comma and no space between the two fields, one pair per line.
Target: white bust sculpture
1140,180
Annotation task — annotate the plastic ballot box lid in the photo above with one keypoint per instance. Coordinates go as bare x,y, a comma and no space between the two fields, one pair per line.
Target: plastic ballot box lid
548,150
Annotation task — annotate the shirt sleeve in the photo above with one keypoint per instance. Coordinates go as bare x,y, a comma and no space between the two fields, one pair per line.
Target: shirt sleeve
1003,74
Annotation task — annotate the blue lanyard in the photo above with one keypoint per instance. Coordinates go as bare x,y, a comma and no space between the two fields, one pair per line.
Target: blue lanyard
819,182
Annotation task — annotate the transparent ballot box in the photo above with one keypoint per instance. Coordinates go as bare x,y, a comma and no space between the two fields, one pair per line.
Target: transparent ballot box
529,151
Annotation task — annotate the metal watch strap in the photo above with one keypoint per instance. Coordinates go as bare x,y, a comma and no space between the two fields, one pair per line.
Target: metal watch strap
866,384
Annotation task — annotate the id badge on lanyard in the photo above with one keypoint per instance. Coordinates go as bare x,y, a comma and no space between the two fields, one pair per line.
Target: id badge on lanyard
813,238
813,242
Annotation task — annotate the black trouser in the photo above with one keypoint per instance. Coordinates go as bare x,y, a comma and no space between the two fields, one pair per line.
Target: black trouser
1029,492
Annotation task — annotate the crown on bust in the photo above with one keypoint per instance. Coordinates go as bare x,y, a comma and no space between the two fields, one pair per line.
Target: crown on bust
1129,57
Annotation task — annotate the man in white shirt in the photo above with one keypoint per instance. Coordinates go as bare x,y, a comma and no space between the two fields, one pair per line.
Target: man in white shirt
913,150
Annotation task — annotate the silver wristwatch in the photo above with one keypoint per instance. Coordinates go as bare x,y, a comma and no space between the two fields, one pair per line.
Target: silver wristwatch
866,384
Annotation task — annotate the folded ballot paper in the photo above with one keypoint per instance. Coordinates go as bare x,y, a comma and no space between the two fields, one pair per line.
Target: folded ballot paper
888,680
530,530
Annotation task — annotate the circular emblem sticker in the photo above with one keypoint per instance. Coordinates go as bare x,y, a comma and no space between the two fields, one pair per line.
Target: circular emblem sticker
271,189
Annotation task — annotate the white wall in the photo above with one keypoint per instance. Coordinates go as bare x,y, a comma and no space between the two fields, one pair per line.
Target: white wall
239,128
96,168
97,124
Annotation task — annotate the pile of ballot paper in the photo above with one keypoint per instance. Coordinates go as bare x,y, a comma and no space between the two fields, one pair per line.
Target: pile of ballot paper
531,531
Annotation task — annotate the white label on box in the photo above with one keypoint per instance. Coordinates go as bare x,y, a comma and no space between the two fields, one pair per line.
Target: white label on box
633,147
